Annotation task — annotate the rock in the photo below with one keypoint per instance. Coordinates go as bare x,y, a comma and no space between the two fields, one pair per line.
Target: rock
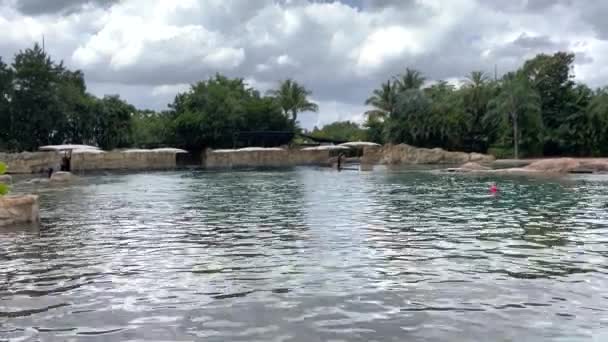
18,209
596,165
469,167
406,154
557,165
481,158
62,176
6,179
366,167
31,162
37,181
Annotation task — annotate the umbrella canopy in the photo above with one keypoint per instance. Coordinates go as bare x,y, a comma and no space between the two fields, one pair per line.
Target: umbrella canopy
325,148
68,147
170,149
359,144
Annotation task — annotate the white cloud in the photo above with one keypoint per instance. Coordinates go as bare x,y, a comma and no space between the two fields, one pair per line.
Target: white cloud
147,50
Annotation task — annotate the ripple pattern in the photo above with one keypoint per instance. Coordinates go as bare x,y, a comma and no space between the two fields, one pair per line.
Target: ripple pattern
309,254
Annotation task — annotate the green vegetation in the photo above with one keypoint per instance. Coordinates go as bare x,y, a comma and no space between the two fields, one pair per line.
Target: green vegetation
342,131
4,188
536,110
41,102
293,99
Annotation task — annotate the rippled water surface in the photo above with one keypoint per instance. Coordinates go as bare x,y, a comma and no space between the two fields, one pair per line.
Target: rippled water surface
309,255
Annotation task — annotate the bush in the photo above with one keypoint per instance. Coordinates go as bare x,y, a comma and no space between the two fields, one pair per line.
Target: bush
3,187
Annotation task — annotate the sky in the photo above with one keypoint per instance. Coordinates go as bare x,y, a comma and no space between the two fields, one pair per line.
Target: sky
149,50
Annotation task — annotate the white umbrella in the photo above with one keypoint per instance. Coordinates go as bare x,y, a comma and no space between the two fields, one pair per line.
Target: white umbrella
359,144
170,149
68,147
325,148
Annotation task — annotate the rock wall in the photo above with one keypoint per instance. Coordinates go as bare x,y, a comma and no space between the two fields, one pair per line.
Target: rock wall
31,162
406,154
116,160
264,158
40,162
18,209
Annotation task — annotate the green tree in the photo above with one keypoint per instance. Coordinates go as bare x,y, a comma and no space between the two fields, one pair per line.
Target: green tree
476,95
409,123
151,129
412,79
293,99
35,116
519,105
594,132
383,100
213,111
77,107
6,94
447,120
341,130
113,122
551,76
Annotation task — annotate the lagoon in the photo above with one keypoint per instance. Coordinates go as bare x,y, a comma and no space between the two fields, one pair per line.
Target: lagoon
310,254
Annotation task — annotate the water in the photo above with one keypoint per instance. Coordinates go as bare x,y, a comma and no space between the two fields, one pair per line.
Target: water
309,255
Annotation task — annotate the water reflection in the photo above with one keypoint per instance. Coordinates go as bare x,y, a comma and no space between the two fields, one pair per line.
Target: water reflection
309,254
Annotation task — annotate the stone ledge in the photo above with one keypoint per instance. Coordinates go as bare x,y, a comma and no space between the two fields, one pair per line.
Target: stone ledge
18,209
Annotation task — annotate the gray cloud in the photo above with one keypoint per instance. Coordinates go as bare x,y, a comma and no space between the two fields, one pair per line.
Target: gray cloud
40,7
147,50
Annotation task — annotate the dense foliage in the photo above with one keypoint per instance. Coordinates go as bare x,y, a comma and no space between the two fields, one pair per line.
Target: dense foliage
341,131
42,102
536,110
4,188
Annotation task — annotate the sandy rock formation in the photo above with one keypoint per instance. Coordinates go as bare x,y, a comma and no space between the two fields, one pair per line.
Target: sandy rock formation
62,176
596,165
18,209
406,154
469,167
557,165
31,162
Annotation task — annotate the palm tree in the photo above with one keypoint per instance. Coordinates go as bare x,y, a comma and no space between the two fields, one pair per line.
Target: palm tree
516,102
293,99
412,79
383,100
476,79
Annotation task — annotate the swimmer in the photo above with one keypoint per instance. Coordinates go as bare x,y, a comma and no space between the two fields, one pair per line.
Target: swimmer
493,189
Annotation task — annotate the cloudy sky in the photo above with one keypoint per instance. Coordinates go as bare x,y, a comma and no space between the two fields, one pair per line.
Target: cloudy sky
147,50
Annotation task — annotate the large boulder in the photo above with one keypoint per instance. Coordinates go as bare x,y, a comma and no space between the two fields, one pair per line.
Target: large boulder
62,176
6,179
406,154
481,158
18,209
556,165
595,165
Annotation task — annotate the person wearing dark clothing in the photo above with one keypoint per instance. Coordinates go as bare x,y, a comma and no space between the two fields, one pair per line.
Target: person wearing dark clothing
66,161
50,172
340,161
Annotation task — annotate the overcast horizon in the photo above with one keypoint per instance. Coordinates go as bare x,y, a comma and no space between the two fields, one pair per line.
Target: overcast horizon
146,51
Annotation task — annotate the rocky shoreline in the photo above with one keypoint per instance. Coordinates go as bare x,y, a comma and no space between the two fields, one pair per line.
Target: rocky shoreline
546,166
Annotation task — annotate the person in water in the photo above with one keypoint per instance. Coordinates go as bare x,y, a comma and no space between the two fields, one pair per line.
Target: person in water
340,161
493,189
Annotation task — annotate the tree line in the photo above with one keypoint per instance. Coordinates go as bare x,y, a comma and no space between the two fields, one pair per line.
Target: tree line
536,110
42,102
